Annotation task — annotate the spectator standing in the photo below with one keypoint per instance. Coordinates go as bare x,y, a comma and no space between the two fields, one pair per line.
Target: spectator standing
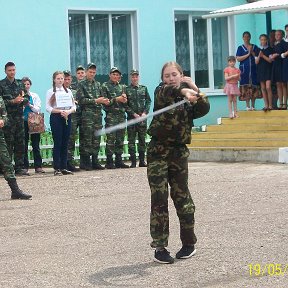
15,98
139,101
33,106
5,159
60,104
75,120
264,71
248,82
232,76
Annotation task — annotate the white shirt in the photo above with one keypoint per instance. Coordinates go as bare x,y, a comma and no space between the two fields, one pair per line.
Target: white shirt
36,107
59,91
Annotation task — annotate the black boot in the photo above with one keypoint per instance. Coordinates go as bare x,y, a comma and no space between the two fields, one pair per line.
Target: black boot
133,160
119,163
85,163
71,166
142,162
16,193
109,162
96,165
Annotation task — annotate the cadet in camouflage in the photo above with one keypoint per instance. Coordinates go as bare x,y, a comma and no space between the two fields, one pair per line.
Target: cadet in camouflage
115,114
75,118
138,101
13,94
5,159
167,157
90,102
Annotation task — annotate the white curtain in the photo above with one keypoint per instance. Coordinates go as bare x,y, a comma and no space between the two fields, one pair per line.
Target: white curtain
77,34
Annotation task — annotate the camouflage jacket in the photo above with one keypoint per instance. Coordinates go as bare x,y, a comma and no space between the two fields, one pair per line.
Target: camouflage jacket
174,126
111,90
9,91
138,100
87,93
3,112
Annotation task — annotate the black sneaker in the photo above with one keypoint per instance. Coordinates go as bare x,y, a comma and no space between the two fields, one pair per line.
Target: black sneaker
163,257
66,172
186,252
22,172
58,172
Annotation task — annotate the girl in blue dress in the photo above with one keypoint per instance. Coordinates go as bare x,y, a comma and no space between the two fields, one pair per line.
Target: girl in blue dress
248,82
264,68
284,56
277,69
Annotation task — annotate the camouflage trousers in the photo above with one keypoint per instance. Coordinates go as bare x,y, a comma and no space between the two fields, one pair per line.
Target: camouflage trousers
75,123
5,159
91,121
134,131
15,140
169,165
114,141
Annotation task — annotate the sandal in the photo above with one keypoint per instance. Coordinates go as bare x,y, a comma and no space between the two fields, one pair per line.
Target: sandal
284,107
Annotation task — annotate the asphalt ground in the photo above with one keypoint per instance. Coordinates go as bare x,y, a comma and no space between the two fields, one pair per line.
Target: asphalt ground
91,229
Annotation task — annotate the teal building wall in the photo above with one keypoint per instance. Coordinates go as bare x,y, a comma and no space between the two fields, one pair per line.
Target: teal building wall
35,35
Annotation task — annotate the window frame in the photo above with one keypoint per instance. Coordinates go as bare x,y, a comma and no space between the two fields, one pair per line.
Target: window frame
231,43
134,31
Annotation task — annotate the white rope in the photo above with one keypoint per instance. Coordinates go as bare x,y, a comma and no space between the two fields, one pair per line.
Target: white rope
125,124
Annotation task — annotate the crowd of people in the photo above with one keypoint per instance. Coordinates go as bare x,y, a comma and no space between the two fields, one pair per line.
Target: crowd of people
263,72
73,106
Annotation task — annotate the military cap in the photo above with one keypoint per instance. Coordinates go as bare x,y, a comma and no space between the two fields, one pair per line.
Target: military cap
91,65
67,73
134,71
115,69
79,67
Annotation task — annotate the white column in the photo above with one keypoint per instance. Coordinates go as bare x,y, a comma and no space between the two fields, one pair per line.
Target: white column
191,46
210,54
111,40
231,35
87,38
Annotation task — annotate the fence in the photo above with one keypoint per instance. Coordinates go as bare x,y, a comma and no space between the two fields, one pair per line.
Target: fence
46,146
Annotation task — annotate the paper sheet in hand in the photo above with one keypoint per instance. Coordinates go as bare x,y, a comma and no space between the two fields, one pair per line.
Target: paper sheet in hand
64,100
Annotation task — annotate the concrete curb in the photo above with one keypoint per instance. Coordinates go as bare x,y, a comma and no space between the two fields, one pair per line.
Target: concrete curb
273,155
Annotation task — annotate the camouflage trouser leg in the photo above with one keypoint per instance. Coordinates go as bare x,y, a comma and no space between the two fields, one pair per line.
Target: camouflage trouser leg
75,121
140,131
131,130
166,165
96,140
90,123
119,141
114,141
5,159
15,139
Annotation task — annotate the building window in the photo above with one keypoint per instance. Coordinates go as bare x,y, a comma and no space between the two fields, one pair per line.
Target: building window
107,39
202,48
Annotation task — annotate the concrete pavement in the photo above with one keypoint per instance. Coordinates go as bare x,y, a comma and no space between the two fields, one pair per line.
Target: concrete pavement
92,230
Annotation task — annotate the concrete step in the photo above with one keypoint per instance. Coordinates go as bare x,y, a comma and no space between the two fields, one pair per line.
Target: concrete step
255,114
240,135
258,120
260,142
237,154
244,127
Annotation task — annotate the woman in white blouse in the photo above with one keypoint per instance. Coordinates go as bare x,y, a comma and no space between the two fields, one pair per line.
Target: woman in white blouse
60,104
34,106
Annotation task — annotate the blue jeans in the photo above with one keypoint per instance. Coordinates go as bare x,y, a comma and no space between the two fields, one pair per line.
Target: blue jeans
60,132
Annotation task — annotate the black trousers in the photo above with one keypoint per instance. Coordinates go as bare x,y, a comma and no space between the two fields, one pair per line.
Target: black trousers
35,142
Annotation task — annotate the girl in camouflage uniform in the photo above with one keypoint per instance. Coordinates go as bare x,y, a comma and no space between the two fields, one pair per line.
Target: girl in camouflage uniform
167,157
